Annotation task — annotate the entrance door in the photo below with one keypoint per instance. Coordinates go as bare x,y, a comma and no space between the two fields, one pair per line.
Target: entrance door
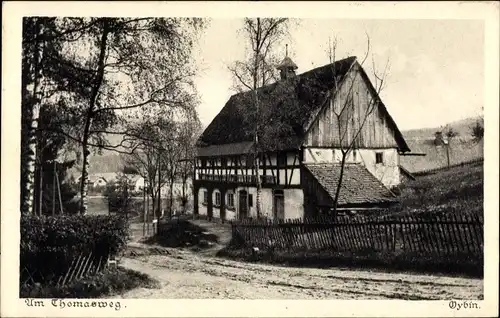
243,205
279,205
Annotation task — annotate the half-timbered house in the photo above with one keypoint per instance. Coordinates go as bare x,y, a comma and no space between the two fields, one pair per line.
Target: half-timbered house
298,155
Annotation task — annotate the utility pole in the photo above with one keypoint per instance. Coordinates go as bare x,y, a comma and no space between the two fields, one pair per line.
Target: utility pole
144,208
147,210
59,193
159,185
54,190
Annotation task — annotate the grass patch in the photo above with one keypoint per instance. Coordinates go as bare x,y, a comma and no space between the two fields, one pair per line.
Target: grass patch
455,189
457,264
106,283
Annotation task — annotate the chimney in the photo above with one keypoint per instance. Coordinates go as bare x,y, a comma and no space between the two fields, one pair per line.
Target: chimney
287,67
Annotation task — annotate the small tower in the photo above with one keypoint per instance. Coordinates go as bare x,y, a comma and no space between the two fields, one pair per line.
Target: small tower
287,67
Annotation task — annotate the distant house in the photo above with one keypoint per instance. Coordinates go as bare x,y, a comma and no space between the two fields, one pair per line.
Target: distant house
299,174
135,182
97,180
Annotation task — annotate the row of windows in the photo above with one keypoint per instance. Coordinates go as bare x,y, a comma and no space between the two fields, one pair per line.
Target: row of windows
229,199
247,161
379,158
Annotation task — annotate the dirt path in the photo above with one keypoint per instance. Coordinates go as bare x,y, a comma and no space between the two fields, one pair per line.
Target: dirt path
184,274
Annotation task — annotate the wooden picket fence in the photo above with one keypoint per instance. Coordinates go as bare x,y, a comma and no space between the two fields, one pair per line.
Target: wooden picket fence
449,234
83,265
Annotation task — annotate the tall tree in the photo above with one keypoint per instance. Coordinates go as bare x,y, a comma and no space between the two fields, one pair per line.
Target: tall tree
151,141
350,123
32,90
189,131
119,65
263,35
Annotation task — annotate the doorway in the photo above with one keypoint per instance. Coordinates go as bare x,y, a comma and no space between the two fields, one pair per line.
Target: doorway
243,205
278,205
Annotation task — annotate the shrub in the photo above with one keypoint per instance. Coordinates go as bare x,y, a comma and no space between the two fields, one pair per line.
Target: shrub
109,282
49,244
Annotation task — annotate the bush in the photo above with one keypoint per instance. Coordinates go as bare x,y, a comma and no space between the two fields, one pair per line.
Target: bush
50,243
106,283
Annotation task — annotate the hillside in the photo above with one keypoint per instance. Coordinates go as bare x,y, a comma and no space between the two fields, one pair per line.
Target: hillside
458,189
461,126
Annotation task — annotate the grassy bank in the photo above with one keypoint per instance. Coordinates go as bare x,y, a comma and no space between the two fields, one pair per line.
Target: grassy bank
455,189
458,264
104,284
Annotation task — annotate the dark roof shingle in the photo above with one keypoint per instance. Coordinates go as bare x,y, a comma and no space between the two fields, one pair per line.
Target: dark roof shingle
236,123
286,107
359,186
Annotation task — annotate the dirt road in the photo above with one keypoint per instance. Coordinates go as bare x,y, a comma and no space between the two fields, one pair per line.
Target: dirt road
185,274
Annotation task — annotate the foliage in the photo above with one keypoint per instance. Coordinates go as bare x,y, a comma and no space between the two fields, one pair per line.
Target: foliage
99,70
118,194
165,150
71,235
106,283
262,36
477,131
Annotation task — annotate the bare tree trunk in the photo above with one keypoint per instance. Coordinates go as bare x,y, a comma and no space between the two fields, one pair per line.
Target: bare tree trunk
256,158
158,212
339,183
34,92
40,191
171,198
88,122
184,198
84,184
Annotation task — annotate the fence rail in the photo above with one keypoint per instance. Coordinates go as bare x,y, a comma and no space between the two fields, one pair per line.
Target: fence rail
450,234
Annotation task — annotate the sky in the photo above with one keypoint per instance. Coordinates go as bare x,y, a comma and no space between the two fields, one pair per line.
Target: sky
435,74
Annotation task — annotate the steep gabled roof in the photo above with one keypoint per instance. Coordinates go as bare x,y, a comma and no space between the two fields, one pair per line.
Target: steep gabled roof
358,187
287,106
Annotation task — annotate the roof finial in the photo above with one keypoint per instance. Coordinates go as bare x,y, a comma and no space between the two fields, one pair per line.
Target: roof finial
286,50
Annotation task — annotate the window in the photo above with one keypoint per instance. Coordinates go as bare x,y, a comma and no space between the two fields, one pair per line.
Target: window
205,196
203,162
354,155
230,200
379,157
223,162
250,200
217,198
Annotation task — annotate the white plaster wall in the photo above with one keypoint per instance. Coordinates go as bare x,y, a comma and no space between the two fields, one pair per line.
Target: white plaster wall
294,203
215,208
266,201
388,171
295,176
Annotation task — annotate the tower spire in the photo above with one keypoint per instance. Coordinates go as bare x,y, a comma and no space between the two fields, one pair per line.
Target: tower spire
287,67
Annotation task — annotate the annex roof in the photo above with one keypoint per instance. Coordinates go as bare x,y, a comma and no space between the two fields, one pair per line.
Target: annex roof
358,187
